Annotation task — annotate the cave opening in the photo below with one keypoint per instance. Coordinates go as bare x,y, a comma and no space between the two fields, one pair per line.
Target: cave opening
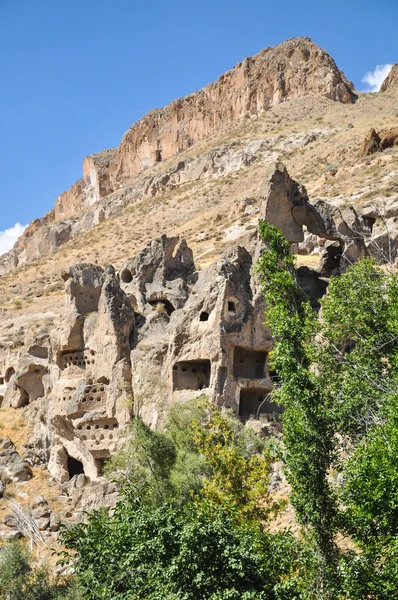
254,402
162,304
75,467
249,364
191,375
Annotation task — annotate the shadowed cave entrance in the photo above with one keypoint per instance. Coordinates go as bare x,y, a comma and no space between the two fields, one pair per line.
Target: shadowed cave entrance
249,364
253,403
162,304
75,467
191,375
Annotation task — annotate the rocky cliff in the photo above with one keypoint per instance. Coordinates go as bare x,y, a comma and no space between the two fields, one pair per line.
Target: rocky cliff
391,81
293,69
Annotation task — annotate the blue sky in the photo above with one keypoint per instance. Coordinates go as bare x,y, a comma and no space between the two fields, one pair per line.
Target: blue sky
75,74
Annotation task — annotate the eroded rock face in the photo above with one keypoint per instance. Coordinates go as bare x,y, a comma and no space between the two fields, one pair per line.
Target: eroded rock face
215,345
12,465
286,206
391,81
159,332
162,273
91,392
379,141
292,69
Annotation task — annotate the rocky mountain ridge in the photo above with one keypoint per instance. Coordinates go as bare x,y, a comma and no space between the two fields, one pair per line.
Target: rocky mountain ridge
296,68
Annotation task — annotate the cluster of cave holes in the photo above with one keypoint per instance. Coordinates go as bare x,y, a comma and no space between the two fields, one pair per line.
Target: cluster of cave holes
97,432
93,394
68,393
254,402
78,359
191,375
250,364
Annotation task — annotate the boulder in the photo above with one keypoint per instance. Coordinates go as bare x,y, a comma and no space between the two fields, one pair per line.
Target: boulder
12,464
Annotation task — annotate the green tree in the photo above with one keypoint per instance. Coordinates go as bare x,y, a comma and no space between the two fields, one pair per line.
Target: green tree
338,372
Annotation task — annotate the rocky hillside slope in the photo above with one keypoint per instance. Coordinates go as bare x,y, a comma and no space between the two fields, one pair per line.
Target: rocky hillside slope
282,136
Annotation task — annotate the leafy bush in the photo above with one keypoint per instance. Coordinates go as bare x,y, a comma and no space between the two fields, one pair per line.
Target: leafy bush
21,580
193,552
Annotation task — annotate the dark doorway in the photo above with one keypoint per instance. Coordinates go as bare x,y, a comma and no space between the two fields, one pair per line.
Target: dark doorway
254,402
249,364
75,467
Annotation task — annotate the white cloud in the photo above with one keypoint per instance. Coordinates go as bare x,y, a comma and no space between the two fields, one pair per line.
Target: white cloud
10,236
375,78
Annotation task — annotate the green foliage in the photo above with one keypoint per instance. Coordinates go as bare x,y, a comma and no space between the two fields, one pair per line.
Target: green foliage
21,580
194,552
188,525
239,481
338,373
308,430
200,452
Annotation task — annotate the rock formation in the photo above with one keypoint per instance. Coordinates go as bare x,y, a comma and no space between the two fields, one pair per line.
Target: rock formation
379,141
293,69
391,81
159,332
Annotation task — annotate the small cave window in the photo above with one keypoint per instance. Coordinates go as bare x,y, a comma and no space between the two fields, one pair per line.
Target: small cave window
231,306
75,467
162,305
126,276
204,316
158,155
1,381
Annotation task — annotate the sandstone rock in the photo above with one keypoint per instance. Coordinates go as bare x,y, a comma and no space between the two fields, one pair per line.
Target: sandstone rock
391,81
293,69
42,515
286,206
377,142
9,520
55,521
162,273
91,380
371,143
2,488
